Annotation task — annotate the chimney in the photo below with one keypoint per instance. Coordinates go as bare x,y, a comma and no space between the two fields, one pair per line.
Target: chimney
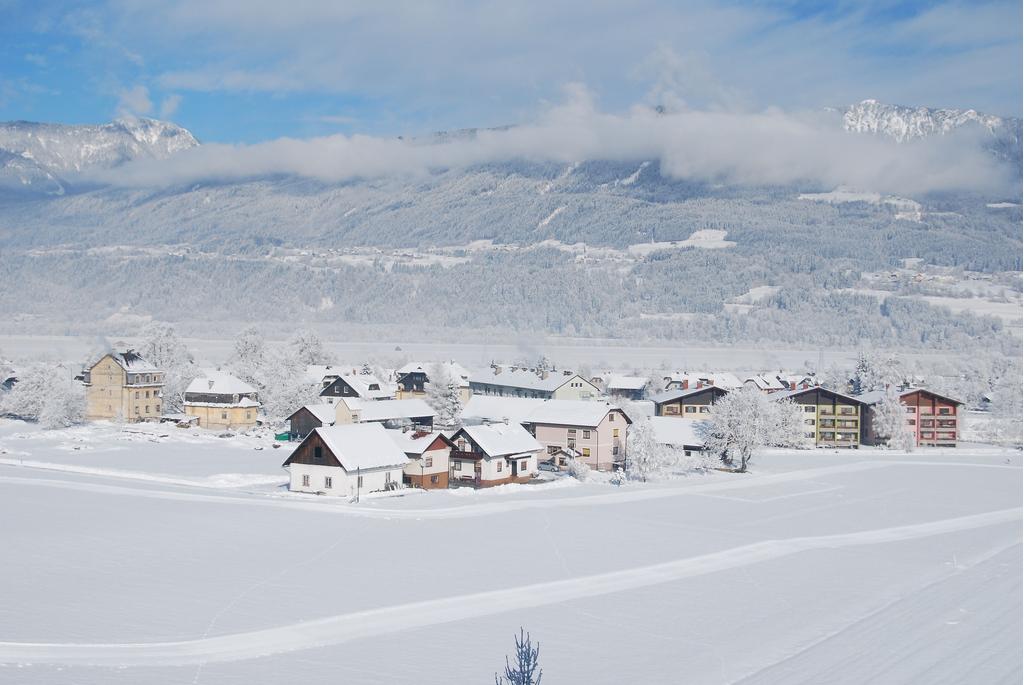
792,385
699,385
686,384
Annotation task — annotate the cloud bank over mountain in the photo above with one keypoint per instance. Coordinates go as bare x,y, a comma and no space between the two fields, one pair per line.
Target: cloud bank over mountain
770,147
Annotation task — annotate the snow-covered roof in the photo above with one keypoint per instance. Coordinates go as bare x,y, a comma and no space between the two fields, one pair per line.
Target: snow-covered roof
324,413
386,410
799,391
130,360
362,446
618,382
214,382
455,370
571,413
876,396
317,373
669,430
525,379
722,379
500,440
766,383
361,385
494,408
413,442
674,395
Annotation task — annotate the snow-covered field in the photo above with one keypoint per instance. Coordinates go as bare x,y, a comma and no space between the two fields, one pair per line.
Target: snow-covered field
170,556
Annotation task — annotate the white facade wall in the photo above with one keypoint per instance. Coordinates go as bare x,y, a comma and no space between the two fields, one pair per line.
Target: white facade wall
343,484
439,463
576,388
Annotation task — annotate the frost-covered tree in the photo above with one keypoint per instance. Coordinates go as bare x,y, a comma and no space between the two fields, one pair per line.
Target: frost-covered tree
526,669
889,421
645,457
443,395
48,394
747,420
163,348
308,348
249,355
578,469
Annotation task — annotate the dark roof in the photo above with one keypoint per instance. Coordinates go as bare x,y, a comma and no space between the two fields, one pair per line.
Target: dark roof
790,394
674,395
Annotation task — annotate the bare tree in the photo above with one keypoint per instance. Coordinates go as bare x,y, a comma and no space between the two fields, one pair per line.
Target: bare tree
525,671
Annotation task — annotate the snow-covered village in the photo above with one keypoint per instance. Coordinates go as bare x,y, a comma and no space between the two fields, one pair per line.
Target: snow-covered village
561,343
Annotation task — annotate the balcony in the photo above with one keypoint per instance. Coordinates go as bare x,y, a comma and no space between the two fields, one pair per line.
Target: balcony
461,454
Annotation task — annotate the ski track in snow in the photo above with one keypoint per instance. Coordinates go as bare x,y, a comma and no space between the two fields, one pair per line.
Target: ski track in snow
341,628
321,505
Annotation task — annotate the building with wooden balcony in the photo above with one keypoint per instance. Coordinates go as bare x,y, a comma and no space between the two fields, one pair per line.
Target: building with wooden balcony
830,419
932,418
488,455
221,401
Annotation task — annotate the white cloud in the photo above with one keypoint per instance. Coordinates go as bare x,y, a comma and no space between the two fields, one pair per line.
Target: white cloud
169,105
134,101
483,59
767,147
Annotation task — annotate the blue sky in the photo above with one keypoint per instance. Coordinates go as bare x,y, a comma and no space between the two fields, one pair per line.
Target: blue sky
250,71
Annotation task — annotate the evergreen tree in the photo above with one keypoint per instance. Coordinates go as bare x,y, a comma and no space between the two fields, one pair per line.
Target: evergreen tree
525,670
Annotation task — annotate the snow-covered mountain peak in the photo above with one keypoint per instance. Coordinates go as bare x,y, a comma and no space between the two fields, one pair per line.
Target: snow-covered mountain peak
908,123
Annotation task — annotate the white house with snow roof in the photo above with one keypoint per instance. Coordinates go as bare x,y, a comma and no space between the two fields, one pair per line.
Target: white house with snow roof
495,454
596,431
221,401
346,461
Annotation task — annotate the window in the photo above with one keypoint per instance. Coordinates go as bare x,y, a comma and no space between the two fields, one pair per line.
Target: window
572,431
224,415
809,435
248,415
552,449
136,410
328,482
523,465
147,408
458,466
305,480
157,408
586,451
927,435
611,417
911,422
387,476
615,450
672,409
434,479
615,432
705,410
690,409
318,453
809,422
147,379
500,464
944,410
809,408
147,394
136,394
586,435
428,462
911,410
